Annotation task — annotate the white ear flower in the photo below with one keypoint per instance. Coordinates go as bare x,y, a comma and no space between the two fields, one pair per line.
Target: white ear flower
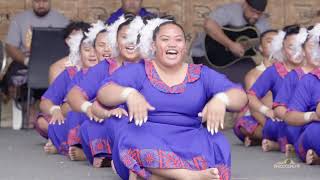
94,30
146,37
276,46
134,29
74,47
112,35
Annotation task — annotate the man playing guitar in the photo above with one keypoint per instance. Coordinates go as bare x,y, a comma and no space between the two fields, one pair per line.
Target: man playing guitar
232,15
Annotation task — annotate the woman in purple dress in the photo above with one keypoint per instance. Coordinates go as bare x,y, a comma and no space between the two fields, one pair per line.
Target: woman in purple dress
64,136
164,136
42,121
82,96
248,126
54,97
302,112
289,85
290,43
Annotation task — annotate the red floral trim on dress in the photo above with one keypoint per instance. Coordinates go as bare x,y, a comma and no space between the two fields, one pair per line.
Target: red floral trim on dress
282,143
74,136
300,72
64,148
99,146
316,72
113,66
137,159
72,71
281,69
301,150
193,75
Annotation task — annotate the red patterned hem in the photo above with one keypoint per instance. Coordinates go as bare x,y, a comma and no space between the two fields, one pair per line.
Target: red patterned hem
136,159
64,148
99,146
73,136
193,75
281,69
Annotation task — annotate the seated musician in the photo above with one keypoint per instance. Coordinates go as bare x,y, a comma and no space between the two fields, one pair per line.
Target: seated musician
233,15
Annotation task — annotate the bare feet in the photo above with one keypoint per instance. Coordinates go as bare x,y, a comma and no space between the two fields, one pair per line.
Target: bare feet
251,142
268,145
100,162
312,158
209,174
49,148
76,154
289,151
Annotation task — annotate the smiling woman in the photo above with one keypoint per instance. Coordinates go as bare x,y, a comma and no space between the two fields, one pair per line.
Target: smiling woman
167,138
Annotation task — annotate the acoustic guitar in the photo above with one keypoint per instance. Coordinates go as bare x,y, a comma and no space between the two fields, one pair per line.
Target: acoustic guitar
221,57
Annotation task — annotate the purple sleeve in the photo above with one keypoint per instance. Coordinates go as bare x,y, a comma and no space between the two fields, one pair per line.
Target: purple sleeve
264,83
58,89
131,75
215,82
286,90
301,97
91,82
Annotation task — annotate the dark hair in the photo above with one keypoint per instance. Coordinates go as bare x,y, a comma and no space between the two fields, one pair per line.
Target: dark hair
102,31
156,31
129,17
291,30
267,32
75,25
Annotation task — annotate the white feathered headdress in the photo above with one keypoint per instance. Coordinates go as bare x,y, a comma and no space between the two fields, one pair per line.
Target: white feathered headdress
314,35
74,47
276,47
146,37
112,35
94,30
300,40
134,29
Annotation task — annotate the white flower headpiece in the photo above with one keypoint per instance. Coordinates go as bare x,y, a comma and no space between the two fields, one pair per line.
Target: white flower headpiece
276,46
112,35
134,29
314,33
146,37
74,47
94,30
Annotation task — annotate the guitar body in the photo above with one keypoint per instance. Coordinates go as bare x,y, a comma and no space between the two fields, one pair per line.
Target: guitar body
219,56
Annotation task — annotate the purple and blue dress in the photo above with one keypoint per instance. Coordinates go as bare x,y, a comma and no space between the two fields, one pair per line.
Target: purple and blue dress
283,98
68,134
56,93
174,136
271,80
305,99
